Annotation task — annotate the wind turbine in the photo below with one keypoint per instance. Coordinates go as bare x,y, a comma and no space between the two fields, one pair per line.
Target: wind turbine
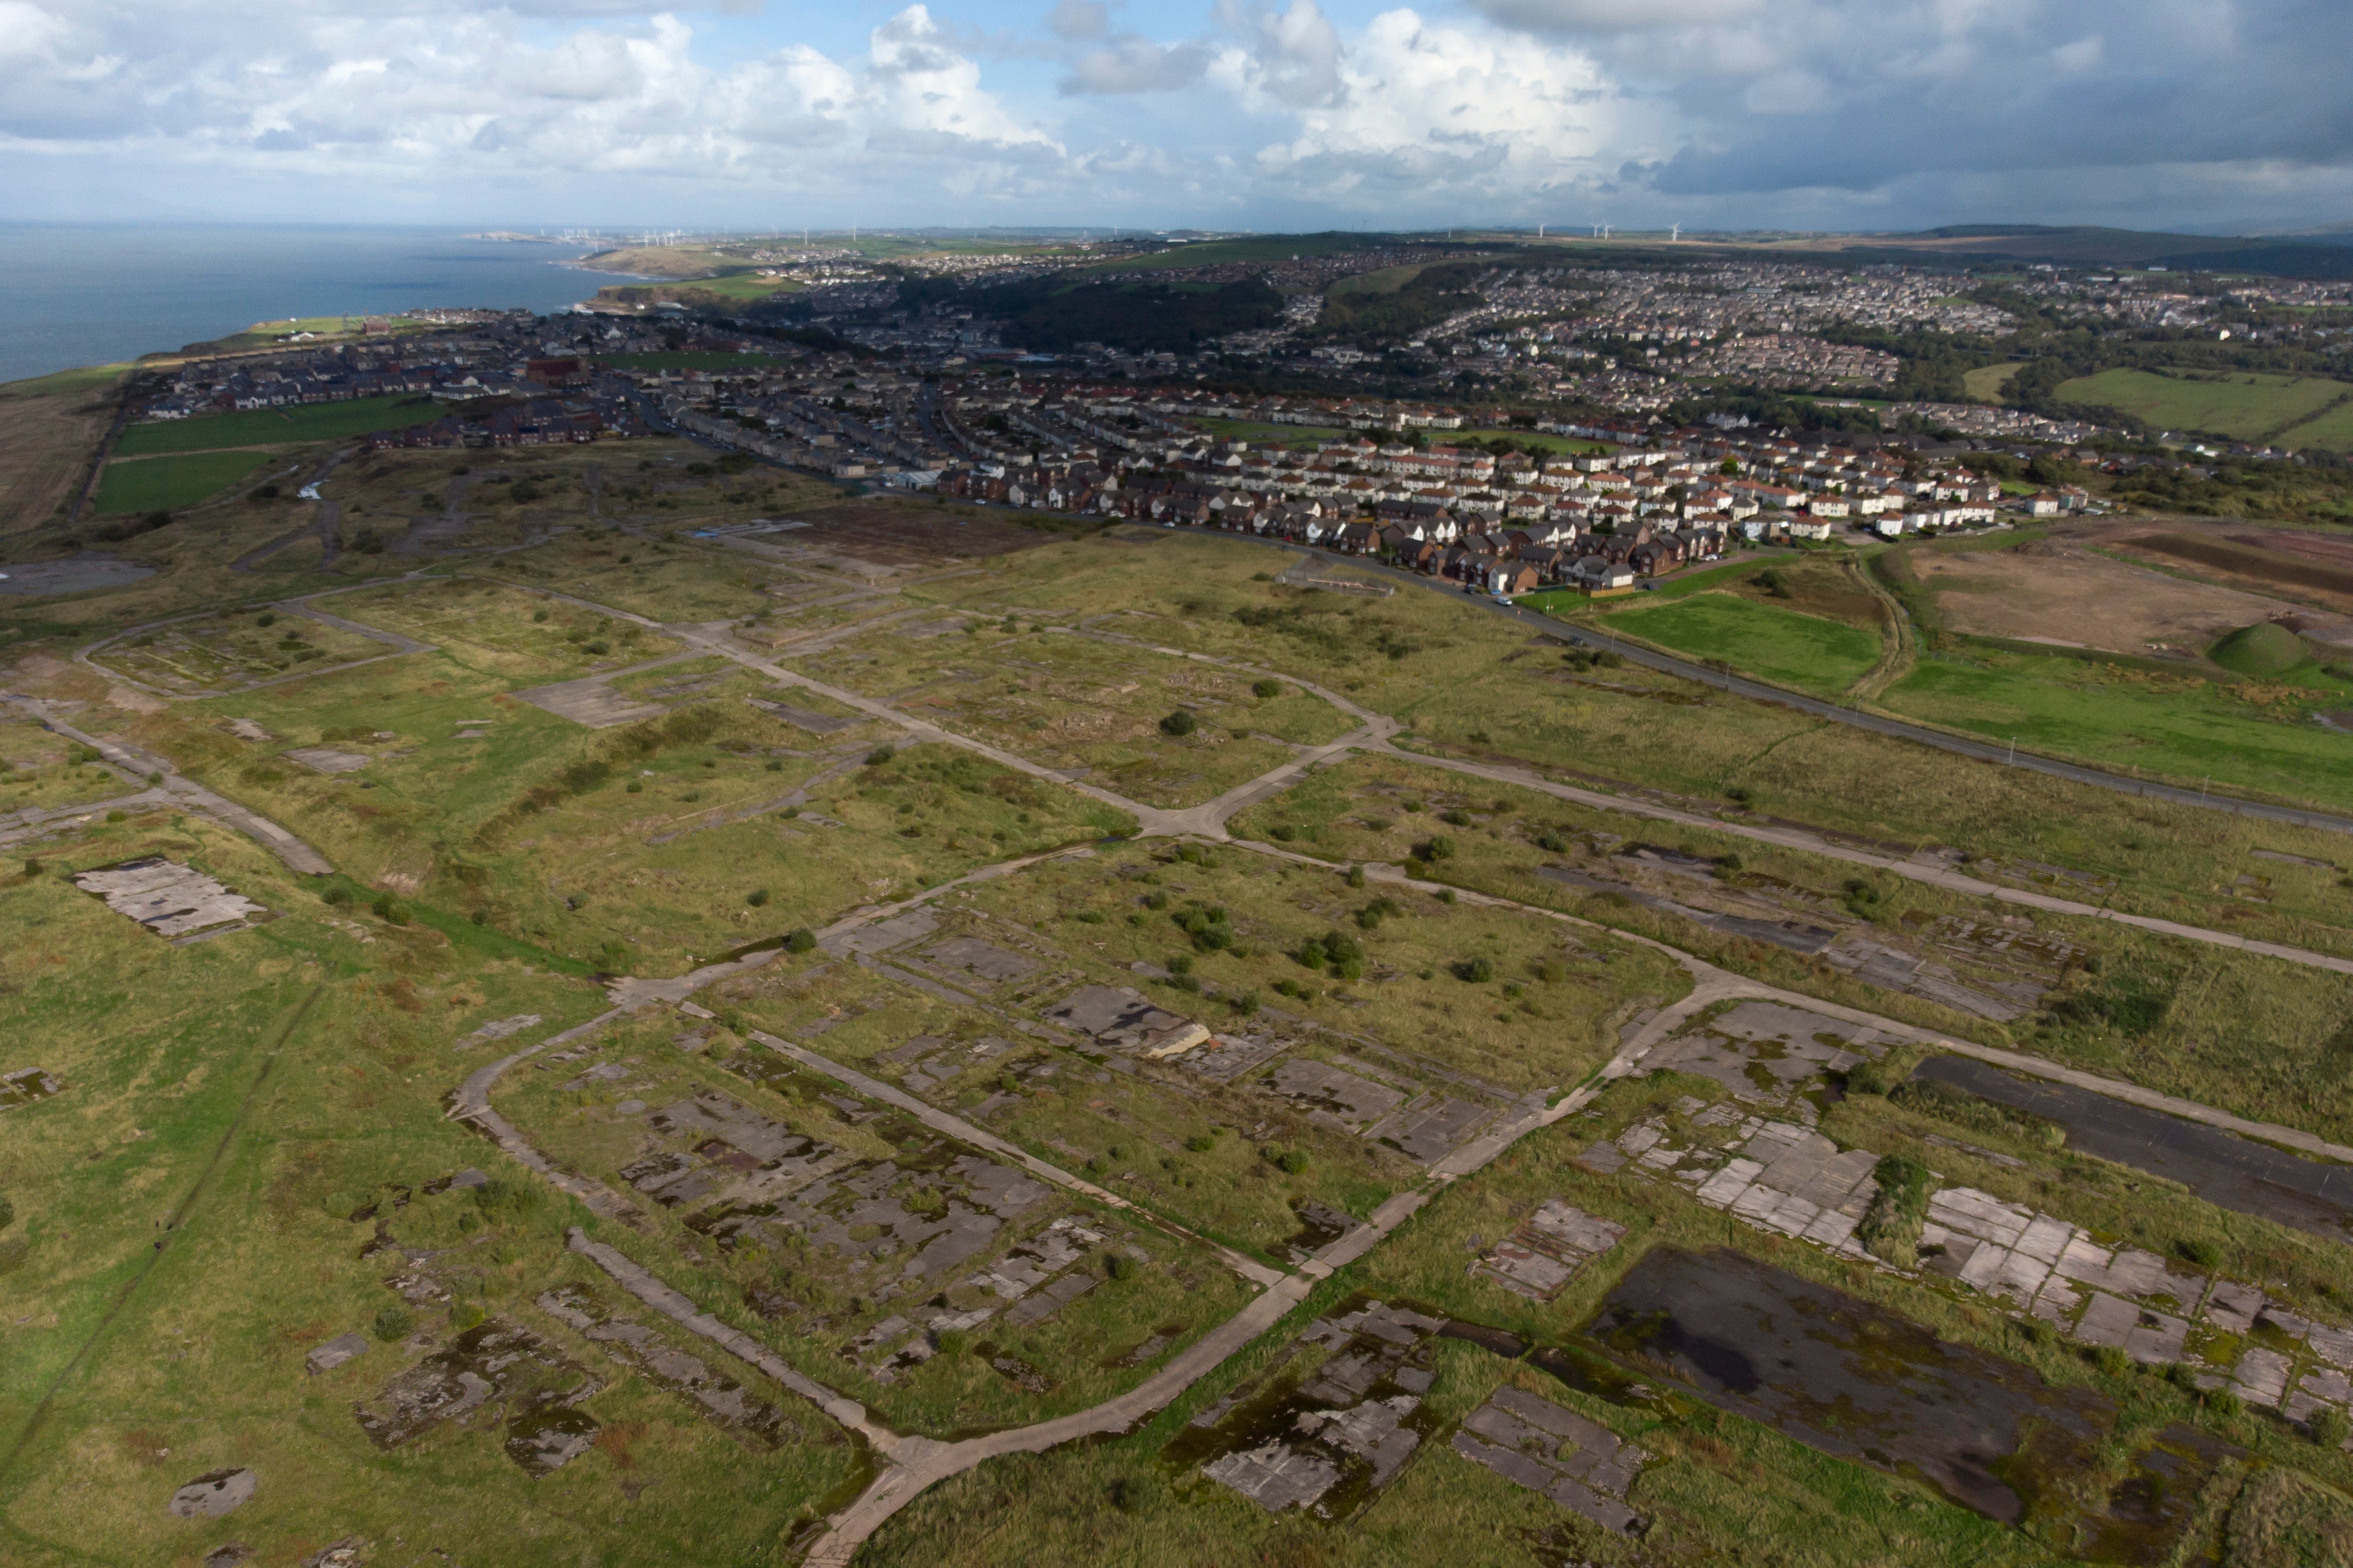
1674,233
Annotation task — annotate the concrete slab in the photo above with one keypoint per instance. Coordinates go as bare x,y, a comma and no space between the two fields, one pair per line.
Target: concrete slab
591,702
334,1354
211,1495
327,760
167,898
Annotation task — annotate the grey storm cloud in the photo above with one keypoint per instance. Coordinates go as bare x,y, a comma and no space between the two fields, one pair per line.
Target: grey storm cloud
1858,94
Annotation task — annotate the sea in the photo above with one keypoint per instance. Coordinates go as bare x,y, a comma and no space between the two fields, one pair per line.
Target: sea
81,294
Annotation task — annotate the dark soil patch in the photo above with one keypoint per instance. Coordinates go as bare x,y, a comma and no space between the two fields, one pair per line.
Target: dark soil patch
1842,1376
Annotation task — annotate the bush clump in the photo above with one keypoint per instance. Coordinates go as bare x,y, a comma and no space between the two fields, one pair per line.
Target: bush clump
1946,1103
1890,1226
393,1323
1179,723
801,940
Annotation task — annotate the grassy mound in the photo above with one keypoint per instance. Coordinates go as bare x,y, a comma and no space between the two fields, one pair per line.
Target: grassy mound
2287,1519
2263,648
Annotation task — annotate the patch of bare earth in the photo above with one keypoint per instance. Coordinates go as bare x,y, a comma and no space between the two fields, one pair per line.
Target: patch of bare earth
2056,592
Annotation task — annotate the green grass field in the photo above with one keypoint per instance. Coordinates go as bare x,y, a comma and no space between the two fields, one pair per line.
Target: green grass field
2244,405
90,378
277,427
1382,281
2151,722
151,483
2331,432
1985,383
1779,646
1535,440
691,361
1270,435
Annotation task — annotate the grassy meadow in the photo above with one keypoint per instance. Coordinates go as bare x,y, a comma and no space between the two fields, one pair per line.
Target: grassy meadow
163,484
277,427
1810,654
2246,405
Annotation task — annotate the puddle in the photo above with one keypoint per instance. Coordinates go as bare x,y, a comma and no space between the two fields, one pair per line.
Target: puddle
1320,1225
493,1362
1323,1436
2149,1510
2230,1172
1847,1379
25,1086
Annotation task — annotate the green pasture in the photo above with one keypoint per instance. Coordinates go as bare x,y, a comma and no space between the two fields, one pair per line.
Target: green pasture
277,426
2246,405
1270,435
2147,723
88,378
162,483
1779,646
1985,383
691,361
1533,440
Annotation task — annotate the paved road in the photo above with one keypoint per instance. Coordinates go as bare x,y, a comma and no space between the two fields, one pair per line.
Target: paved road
1740,686
1935,872
135,766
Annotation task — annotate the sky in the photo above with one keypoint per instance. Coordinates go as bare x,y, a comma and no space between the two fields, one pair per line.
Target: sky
1231,114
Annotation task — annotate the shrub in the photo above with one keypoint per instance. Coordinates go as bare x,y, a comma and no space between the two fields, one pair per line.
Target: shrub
1889,1228
393,1323
801,940
1440,848
464,1315
2111,1361
879,756
267,618
32,866
636,786
480,917
1476,971
2328,1427
1201,1142
388,909
1290,1161
1946,1103
1141,1493
1455,817
1120,1265
757,897
7,1212
1356,875
1867,1078
1282,833
2204,1253
1244,1003
1180,722
952,1342
1265,689
338,895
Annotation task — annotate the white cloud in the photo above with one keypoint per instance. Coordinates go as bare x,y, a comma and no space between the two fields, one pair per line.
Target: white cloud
449,96
1132,63
1413,106
1802,113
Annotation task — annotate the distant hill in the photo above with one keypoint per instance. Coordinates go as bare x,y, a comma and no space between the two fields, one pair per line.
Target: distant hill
2316,255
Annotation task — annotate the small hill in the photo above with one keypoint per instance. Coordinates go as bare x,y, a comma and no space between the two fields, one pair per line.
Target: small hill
2263,648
